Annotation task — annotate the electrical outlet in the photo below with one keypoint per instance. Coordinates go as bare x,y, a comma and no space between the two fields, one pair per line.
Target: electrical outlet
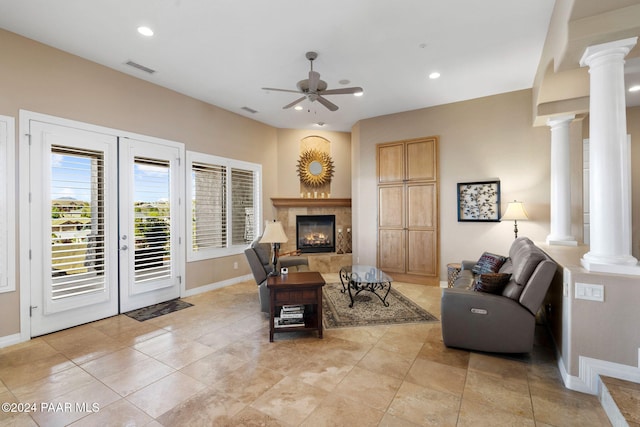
235,265
590,291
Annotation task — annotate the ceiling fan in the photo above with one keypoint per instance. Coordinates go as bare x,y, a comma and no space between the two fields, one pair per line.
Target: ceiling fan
314,89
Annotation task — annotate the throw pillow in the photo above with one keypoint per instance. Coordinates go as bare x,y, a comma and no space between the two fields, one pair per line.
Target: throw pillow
492,283
489,263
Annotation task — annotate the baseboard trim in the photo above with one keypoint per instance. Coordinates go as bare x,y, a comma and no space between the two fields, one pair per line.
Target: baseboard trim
216,285
590,370
8,340
570,381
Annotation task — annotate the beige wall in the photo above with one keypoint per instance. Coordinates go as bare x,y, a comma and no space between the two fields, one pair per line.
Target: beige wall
482,139
45,80
289,153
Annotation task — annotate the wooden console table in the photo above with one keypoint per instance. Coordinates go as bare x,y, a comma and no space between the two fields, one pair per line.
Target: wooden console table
297,288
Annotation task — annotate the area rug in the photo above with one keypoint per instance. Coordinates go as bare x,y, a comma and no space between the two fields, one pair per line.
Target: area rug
156,310
368,309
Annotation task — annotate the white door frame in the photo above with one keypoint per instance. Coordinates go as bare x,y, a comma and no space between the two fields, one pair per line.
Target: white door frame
25,117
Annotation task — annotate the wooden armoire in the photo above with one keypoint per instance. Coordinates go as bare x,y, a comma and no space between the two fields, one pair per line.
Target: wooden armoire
408,233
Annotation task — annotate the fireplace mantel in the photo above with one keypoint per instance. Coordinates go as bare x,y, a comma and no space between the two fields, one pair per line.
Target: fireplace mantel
283,202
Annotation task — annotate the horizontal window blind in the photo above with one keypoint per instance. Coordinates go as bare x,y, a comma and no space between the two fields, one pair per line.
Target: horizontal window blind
209,212
77,222
242,196
152,222
4,208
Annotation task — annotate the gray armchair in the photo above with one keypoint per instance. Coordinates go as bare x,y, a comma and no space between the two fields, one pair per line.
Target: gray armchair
259,258
504,322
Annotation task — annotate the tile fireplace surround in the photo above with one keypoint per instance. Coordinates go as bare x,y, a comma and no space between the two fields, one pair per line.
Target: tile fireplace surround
288,208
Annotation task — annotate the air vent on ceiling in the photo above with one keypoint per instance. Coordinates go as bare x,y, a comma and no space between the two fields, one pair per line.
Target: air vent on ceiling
140,67
251,110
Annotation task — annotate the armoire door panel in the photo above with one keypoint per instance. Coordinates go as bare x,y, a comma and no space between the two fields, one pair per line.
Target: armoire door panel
391,163
421,255
421,160
391,250
391,206
421,206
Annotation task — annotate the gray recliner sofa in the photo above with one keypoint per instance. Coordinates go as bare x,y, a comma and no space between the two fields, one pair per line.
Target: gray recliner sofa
500,323
259,258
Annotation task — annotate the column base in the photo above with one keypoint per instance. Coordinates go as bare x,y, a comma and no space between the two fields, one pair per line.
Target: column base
561,240
611,264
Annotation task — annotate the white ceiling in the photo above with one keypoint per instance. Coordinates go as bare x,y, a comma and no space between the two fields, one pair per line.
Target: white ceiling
224,51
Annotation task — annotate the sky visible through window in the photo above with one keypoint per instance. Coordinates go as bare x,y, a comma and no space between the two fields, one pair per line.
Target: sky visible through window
71,179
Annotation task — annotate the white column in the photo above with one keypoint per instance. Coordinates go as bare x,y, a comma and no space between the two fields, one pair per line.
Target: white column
560,182
609,169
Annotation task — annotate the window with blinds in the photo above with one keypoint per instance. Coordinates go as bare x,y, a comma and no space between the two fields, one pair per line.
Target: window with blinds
77,222
224,205
152,219
7,217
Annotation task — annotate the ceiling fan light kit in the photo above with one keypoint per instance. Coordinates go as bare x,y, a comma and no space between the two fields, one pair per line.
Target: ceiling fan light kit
315,89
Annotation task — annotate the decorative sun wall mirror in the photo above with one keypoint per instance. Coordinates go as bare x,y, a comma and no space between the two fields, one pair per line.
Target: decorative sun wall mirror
315,168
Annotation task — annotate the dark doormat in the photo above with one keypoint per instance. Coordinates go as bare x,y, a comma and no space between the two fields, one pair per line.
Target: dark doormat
146,313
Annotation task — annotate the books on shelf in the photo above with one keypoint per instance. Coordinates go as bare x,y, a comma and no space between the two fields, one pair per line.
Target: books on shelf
288,323
291,316
292,312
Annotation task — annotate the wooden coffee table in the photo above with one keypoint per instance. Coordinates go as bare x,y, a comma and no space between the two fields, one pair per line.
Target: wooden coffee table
296,288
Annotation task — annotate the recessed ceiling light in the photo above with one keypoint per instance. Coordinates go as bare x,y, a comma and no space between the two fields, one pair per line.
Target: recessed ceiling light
298,107
344,82
635,88
145,31
434,75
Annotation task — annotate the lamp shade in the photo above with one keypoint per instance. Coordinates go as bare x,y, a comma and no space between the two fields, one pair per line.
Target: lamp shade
274,233
515,211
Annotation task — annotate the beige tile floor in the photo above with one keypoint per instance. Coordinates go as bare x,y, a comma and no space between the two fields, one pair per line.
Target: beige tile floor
212,364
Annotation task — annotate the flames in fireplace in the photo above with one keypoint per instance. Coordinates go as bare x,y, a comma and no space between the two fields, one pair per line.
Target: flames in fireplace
315,233
315,239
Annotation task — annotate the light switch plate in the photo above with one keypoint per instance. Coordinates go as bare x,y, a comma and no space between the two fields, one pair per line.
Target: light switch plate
590,291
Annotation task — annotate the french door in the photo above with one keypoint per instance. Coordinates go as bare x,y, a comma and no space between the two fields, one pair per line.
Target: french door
149,224
104,225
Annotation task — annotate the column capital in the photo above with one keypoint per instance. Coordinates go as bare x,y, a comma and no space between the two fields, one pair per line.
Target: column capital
621,47
558,120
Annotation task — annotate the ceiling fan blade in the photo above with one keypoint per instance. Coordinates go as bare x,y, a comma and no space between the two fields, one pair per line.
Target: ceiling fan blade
314,79
330,105
281,90
297,101
346,90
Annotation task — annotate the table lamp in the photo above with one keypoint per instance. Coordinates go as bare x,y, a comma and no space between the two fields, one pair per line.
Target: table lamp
274,234
515,211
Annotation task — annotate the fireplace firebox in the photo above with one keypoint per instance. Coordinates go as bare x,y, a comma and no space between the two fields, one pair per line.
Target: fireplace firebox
316,233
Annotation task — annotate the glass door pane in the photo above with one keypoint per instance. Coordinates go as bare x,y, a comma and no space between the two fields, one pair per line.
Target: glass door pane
77,222
152,219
